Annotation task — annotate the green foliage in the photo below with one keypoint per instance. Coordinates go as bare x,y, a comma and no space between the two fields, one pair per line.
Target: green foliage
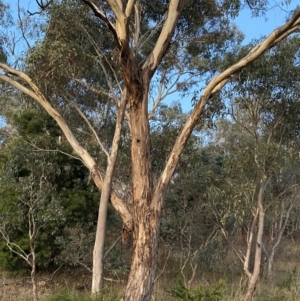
214,292
50,184
214,251
8,261
32,122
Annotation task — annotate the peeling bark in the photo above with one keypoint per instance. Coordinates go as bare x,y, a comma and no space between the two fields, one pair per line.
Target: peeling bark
146,221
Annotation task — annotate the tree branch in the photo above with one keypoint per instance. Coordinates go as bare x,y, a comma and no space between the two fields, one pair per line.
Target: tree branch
137,21
117,7
101,15
214,86
89,162
163,41
111,247
43,5
129,8
92,130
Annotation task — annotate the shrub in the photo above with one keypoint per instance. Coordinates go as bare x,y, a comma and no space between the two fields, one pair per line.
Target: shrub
200,293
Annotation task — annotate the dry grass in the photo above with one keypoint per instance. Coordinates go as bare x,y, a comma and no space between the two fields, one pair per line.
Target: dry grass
13,288
284,286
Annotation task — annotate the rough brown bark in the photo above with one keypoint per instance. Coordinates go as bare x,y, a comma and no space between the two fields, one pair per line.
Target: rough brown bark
146,221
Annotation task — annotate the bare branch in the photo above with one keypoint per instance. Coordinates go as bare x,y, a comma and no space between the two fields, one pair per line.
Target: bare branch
38,149
22,25
137,21
43,5
16,249
92,130
164,267
91,88
283,227
163,91
99,60
111,247
112,93
148,34
36,94
101,15
85,266
232,114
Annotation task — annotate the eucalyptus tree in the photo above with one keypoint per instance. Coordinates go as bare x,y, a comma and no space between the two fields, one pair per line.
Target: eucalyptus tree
265,108
134,43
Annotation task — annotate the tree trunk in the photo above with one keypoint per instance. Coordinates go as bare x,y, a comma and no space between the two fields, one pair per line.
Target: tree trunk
98,253
146,219
282,223
258,249
33,278
251,240
33,262
270,264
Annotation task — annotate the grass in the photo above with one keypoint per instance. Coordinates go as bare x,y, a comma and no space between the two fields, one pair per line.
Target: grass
285,285
76,296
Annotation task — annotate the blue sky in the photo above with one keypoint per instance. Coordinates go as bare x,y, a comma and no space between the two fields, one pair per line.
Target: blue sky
254,28
251,27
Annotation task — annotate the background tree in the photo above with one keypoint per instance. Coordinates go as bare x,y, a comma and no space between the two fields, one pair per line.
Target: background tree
28,208
258,149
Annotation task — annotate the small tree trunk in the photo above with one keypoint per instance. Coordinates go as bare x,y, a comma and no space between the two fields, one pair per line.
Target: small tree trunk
98,253
251,238
282,223
258,249
33,264
33,279
270,262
